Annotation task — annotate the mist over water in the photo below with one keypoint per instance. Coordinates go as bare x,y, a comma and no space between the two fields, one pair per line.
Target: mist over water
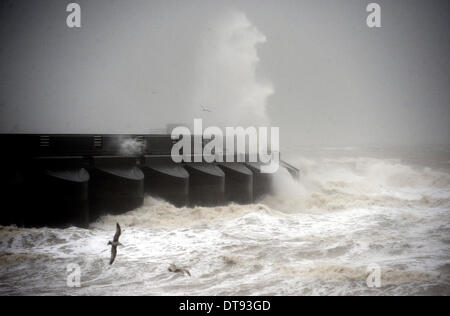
135,67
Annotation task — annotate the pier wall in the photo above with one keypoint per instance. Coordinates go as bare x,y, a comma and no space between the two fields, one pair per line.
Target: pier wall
58,180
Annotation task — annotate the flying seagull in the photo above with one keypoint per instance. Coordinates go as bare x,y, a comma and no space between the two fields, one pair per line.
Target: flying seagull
205,109
115,243
175,269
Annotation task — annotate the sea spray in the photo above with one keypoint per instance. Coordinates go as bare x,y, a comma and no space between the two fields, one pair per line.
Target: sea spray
131,146
340,183
317,236
227,81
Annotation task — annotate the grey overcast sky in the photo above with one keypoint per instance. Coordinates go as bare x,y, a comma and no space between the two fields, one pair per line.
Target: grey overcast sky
312,67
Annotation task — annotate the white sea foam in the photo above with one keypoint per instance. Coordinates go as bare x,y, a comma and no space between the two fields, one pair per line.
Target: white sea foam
316,236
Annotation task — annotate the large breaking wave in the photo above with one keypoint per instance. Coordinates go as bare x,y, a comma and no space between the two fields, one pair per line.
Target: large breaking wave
316,236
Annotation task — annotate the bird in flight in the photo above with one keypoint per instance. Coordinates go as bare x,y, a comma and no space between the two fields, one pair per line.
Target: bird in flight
205,109
115,243
175,269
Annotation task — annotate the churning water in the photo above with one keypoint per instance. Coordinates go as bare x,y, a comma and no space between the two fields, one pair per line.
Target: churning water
317,236
352,208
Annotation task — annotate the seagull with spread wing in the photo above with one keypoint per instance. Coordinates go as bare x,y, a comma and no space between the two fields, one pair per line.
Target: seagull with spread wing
173,268
115,243
205,109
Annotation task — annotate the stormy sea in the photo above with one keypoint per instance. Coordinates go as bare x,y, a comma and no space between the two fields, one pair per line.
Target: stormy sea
353,208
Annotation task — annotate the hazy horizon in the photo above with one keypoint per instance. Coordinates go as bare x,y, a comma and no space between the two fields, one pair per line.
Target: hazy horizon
313,68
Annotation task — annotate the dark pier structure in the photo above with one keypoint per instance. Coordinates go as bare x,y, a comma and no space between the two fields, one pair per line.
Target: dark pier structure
60,180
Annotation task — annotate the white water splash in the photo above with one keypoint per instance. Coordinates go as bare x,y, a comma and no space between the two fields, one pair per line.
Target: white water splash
227,81
131,147
313,237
